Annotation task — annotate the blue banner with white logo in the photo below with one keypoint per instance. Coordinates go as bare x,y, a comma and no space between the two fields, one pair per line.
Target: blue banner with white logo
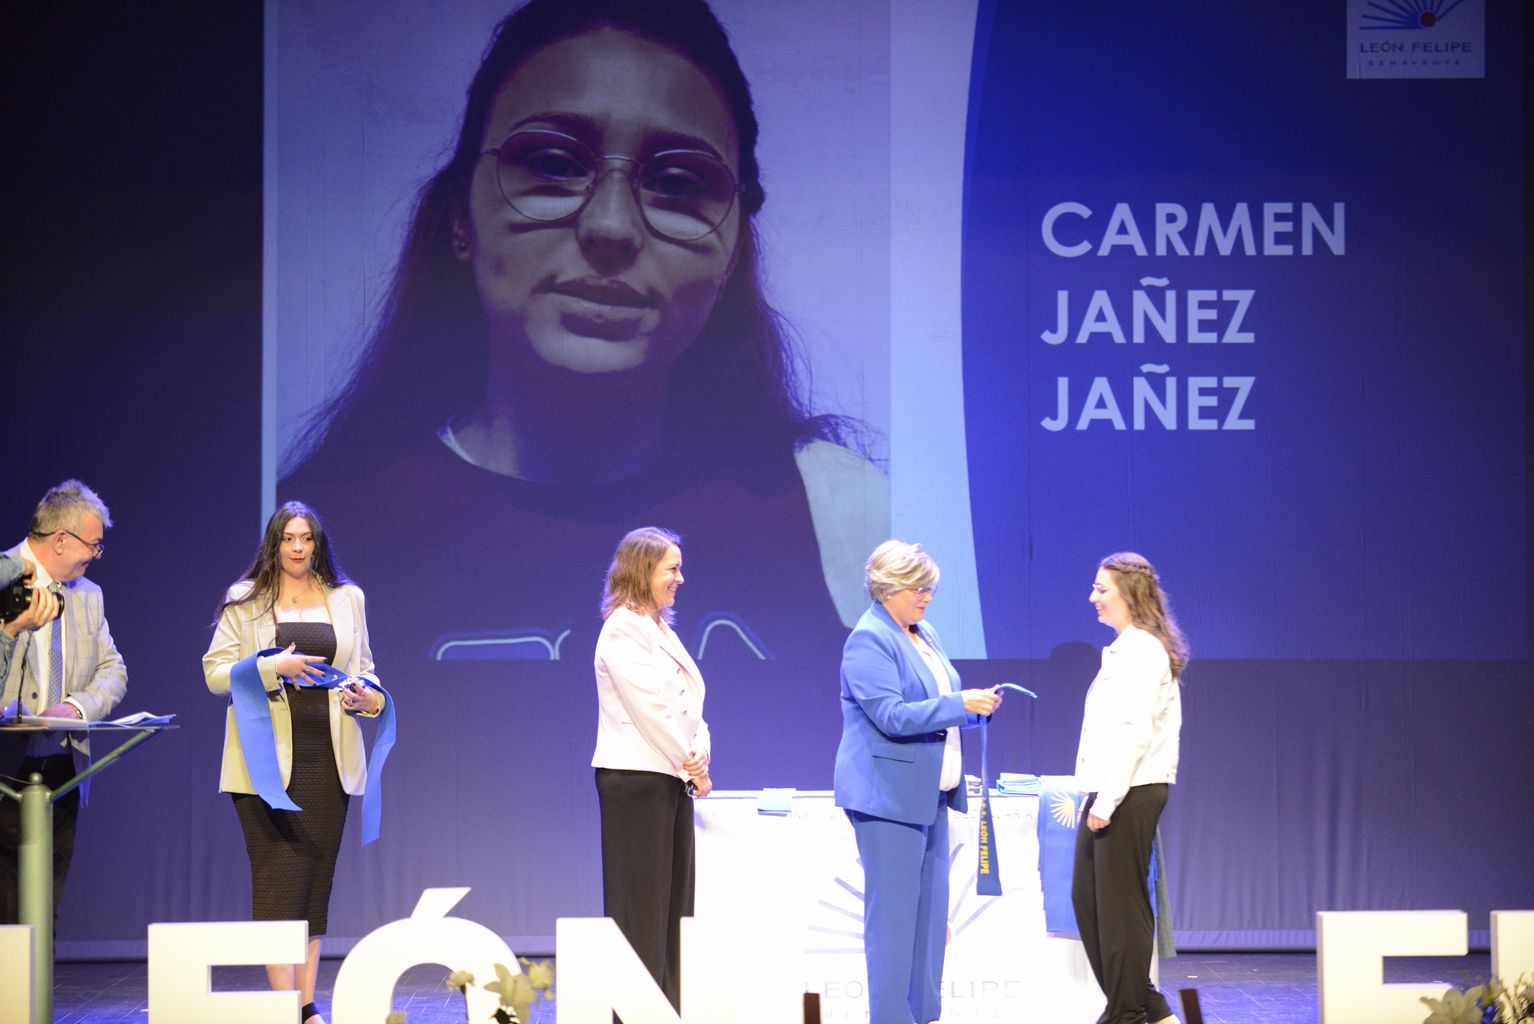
1059,806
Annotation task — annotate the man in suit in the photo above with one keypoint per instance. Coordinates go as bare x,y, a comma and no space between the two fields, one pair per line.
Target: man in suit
65,668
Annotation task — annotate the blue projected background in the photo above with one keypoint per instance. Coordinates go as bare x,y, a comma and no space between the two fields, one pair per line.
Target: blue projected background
1337,400
1338,504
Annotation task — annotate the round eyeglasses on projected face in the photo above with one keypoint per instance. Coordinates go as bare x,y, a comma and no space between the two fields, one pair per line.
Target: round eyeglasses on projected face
548,176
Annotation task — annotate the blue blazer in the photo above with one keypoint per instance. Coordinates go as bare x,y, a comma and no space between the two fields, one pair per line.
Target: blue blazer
894,719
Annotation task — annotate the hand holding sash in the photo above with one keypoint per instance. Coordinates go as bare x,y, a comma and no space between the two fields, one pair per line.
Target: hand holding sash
298,669
988,877
253,718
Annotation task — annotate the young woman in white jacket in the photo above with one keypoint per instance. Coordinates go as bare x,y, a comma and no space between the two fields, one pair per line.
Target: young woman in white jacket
1125,763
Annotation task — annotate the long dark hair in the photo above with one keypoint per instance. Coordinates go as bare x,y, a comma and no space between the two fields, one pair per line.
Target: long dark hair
1149,606
265,568
734,396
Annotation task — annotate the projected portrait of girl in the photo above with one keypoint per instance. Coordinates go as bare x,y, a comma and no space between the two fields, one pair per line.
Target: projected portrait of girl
575,339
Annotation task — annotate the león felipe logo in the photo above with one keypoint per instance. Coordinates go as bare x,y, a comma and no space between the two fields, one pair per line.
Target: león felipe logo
1395,15
1062,808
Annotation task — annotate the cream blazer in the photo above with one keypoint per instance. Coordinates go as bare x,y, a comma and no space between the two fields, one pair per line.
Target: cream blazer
247,628
1132,723
649,697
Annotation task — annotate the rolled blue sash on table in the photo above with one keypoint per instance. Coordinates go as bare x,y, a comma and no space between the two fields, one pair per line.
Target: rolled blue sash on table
253,718
1017,784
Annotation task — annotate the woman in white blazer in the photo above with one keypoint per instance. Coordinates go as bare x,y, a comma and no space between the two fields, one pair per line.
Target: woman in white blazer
652,752
294,597
1125,763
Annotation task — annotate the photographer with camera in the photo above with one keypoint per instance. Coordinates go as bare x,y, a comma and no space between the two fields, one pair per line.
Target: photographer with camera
63,664
22,606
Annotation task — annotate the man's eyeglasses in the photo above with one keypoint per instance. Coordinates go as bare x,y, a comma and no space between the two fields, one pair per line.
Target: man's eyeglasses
97,549
548,176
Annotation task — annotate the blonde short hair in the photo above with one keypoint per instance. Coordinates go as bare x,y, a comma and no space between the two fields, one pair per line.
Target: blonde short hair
895,566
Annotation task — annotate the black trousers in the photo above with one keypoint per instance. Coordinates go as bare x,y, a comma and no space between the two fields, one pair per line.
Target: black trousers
647,866
1110,893
55,771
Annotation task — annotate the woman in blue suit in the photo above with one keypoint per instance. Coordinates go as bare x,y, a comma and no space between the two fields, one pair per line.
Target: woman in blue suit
899,769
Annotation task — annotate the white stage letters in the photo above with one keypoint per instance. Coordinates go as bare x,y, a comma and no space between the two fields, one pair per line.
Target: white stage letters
599,973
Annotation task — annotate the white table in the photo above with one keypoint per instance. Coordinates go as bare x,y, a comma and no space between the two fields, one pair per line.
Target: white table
793,883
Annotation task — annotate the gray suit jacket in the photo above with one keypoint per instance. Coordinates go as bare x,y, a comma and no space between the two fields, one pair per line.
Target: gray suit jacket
94,675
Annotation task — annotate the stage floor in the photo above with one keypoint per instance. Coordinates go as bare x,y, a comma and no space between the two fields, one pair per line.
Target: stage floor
1234,988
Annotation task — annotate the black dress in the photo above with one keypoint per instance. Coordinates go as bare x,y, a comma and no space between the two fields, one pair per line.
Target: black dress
293,853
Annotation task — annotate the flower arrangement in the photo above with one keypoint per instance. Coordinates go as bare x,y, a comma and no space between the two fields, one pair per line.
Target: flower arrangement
1490,1002
518,992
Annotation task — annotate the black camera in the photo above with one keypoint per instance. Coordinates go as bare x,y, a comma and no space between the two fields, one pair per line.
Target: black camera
16,598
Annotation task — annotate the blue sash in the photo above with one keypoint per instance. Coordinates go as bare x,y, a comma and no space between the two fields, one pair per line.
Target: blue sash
1059,810
988,876
253,718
